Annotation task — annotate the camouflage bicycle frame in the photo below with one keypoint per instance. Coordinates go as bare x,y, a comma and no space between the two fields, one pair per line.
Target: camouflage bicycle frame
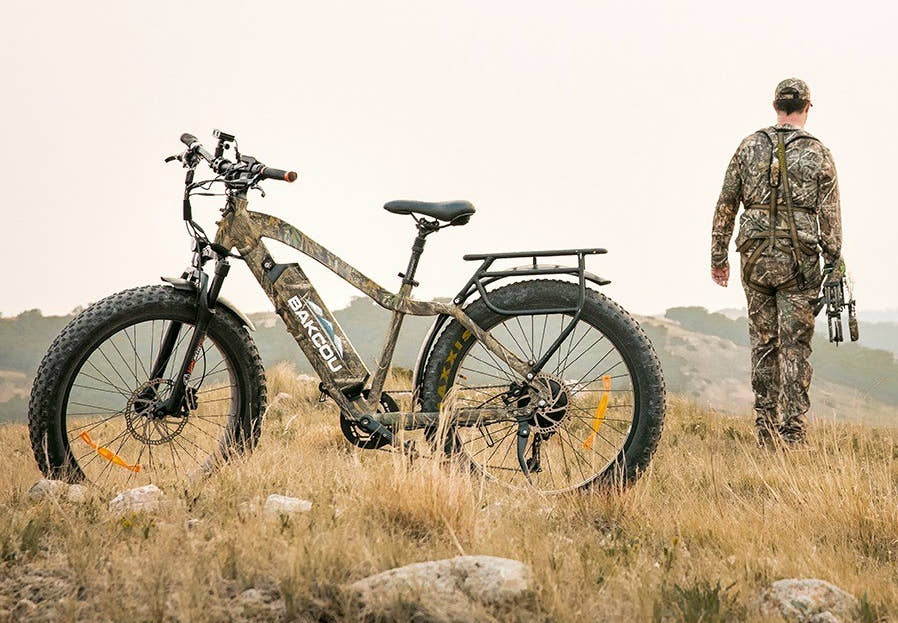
318,333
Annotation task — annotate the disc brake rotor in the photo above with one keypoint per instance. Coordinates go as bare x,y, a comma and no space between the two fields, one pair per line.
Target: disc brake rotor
549,397
145,427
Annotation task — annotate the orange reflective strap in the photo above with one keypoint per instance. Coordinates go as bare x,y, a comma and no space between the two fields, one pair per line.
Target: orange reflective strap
107,454
599,416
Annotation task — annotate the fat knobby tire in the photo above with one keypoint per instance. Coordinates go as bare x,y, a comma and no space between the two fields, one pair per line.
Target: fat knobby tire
98,322
619,327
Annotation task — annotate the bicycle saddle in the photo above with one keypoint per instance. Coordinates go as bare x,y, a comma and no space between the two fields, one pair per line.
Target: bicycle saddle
453,212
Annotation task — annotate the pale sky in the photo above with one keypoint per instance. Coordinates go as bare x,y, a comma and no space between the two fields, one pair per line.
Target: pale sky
566,123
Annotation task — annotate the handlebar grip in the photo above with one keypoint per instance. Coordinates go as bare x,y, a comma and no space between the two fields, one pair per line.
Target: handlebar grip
271,173
188,139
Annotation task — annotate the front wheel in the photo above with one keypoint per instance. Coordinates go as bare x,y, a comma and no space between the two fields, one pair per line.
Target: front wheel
92,418
603,407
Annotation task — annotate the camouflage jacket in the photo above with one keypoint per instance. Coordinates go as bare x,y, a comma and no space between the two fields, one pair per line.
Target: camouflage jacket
813,184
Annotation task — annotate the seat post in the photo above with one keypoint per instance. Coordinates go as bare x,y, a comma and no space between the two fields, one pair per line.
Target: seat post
425,228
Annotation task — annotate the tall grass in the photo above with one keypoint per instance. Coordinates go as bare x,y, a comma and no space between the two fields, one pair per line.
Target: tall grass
713,521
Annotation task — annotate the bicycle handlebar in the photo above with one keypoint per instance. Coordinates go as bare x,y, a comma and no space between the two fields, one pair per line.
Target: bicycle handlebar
270,173
223,167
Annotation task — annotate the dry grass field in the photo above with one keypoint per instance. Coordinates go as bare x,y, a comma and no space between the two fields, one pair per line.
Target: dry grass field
712,522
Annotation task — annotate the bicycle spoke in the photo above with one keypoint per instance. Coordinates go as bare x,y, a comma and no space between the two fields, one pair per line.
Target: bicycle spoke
524,336
114,415
95,454
513,339
96,389
211,421
586,350
562,366
483,373
109,464
568,457
598,376
111,340
114,369
89,406
215,389
121,430
123,392
136,356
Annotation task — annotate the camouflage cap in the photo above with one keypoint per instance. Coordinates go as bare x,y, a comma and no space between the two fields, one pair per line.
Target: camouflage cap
792,88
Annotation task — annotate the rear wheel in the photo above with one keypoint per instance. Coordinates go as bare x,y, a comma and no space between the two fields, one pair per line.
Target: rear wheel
91,417
597,406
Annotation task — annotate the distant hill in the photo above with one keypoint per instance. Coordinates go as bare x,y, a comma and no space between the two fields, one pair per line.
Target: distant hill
704,355
887,315
878,329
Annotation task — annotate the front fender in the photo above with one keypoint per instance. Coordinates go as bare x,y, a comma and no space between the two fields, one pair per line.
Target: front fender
183,284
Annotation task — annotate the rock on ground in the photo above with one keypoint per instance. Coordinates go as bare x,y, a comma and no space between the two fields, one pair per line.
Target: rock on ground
452,582
77,494
261,604
57,489
808,601
147,498
281,504
45,488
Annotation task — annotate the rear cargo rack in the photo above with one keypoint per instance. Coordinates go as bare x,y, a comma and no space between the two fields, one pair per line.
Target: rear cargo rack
483,277
534,254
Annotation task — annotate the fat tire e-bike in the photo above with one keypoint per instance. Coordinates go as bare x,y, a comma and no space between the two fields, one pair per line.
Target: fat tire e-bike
540,381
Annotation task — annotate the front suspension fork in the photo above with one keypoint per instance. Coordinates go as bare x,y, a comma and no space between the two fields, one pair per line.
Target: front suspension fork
207,298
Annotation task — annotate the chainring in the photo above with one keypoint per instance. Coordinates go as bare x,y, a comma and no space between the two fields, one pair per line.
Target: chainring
358,436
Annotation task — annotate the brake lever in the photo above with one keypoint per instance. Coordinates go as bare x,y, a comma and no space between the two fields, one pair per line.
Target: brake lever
254,184
188,158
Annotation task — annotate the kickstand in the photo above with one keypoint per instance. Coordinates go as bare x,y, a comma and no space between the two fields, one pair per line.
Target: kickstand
523,436
410,451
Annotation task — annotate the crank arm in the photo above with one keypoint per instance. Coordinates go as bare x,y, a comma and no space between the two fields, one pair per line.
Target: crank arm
376,428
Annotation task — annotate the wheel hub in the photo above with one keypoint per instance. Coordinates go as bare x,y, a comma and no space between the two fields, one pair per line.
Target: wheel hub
549,395
143,422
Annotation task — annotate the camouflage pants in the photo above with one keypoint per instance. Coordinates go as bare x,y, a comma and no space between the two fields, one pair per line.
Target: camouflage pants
780,328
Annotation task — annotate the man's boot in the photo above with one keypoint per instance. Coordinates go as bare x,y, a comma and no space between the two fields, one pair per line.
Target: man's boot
767,430
793,431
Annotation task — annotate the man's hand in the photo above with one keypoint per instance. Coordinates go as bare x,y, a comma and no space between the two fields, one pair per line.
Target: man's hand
721,275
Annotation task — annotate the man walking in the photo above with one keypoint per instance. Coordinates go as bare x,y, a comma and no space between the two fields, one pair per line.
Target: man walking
786,180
